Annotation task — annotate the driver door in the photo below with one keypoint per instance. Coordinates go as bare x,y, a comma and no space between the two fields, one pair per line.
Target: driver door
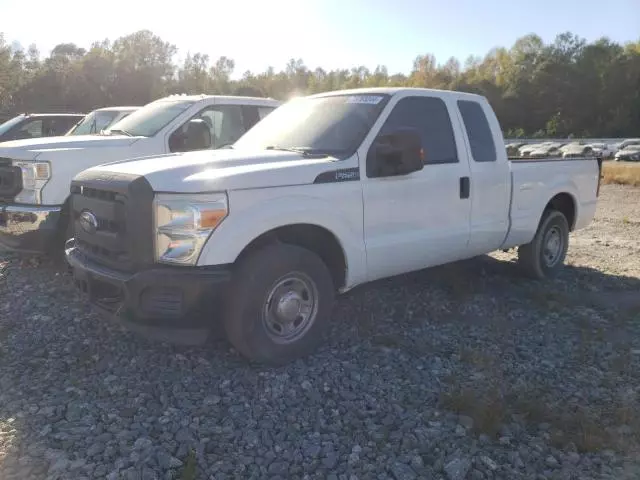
421,219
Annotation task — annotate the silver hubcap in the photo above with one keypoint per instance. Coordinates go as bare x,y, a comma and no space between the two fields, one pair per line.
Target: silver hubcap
291,308
552,246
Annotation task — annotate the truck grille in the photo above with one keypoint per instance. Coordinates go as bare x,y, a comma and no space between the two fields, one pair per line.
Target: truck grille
10,180
119,206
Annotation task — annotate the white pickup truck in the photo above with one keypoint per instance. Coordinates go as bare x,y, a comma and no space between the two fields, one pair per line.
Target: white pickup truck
35,174
328,192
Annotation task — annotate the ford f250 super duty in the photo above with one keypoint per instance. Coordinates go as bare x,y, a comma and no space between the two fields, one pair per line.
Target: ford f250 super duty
35,174
328,192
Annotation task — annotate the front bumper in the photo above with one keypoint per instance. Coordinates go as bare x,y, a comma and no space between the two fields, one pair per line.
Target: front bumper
162,298
28,228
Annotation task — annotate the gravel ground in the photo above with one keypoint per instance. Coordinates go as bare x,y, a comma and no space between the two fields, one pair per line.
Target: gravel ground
462,372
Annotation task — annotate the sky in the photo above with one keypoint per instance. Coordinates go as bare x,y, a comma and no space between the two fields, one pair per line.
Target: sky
327,33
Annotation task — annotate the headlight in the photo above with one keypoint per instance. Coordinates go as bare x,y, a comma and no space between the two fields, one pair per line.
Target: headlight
35,176
182,224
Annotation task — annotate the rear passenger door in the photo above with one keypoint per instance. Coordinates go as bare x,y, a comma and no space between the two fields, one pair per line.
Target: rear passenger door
490,176
421,219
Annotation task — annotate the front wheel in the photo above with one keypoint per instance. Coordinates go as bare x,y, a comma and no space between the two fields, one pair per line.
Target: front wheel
280,299
544,256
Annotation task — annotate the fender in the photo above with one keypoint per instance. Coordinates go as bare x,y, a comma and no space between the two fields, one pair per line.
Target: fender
567,186
251,215
532,195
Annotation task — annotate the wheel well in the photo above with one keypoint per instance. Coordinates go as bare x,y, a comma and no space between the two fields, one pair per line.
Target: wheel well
564,203
312,237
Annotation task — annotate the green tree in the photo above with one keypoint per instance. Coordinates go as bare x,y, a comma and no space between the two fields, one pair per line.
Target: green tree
565,87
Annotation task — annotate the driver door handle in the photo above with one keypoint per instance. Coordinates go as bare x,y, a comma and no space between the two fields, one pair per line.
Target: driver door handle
465,187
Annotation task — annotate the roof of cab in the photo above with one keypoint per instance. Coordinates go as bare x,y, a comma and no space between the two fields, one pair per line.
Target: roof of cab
257,100
399,90
54,114
119,109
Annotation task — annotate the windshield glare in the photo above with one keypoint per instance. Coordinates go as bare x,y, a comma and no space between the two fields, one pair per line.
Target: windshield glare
335,124
153,117
6,126
93,123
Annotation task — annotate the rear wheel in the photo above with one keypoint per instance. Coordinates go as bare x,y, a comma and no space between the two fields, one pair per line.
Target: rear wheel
544,256
280,299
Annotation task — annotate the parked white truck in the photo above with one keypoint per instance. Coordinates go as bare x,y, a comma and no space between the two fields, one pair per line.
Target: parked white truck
35,174
328,192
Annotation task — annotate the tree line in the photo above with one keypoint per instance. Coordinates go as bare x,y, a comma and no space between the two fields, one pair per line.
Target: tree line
558,89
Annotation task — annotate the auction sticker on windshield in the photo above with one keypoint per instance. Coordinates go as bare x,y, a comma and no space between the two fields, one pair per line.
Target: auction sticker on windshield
368,99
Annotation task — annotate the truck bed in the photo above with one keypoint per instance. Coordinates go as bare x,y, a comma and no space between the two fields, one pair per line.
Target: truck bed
536,180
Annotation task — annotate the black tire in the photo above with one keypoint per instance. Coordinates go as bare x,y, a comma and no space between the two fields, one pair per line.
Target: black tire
252,326
540,262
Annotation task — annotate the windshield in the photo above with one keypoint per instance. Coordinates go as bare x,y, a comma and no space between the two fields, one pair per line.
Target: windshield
6,126
332,125
93,123
150,119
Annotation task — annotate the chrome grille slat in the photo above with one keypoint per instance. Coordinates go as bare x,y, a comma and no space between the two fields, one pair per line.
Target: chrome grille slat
108,244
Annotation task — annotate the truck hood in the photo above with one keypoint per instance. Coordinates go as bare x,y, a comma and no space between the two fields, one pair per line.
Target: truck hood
225,169
29,149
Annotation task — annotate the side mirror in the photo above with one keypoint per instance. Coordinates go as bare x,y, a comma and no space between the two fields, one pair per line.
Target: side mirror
396,153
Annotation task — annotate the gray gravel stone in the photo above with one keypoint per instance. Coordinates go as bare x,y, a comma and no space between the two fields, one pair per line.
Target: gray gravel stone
460,372
457,468
279,468
400,471
552,461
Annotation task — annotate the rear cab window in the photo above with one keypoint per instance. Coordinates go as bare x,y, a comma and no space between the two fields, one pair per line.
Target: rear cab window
483,148
55,126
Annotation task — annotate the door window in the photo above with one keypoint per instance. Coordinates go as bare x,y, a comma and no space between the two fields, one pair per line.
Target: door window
31,129
428,115
226,124
483,149
213,127
264,111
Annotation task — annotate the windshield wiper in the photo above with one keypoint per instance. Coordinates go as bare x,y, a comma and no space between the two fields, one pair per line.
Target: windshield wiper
123,132
304,151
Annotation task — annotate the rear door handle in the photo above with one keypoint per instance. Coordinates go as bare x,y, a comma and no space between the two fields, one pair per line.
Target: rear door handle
465,187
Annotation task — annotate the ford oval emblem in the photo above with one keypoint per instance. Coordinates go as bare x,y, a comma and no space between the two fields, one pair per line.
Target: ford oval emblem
88,222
